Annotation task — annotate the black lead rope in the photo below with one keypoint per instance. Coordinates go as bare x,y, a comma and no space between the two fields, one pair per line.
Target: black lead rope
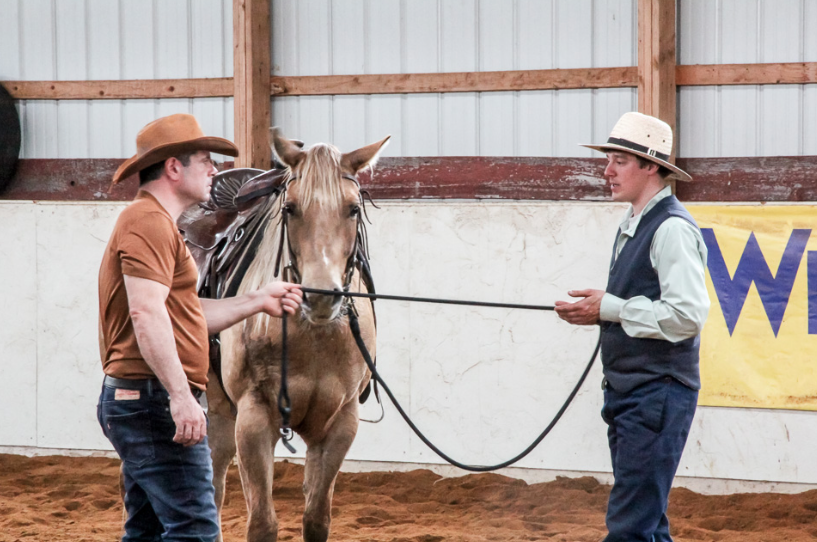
355,327
430,300
284,403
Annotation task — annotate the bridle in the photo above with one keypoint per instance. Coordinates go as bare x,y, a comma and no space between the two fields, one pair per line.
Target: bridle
286,260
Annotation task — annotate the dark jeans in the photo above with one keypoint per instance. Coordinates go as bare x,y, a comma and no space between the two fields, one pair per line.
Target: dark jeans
169,492
647,431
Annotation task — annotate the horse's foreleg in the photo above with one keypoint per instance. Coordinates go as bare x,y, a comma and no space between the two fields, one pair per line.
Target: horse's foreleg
323,461
256,438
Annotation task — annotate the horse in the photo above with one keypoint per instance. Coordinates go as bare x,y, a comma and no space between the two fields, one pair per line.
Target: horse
319,210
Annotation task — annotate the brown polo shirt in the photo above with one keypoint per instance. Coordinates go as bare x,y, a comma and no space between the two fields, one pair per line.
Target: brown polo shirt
145,243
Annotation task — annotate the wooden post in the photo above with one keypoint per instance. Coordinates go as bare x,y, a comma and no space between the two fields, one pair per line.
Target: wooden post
251,44
657,63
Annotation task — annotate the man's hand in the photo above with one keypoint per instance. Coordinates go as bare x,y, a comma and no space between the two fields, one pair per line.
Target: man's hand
191,424
277,297
584,312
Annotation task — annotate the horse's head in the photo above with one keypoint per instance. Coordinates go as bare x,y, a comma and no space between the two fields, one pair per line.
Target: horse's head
322,207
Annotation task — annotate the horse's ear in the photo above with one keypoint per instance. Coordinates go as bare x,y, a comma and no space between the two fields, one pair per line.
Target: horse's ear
364,156
288,151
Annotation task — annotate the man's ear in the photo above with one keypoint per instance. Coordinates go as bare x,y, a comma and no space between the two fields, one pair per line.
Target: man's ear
173,168
653,168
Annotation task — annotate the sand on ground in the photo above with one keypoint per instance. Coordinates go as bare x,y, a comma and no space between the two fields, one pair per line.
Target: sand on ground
76,499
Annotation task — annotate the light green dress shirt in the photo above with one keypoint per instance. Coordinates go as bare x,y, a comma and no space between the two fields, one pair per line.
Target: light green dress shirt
678,255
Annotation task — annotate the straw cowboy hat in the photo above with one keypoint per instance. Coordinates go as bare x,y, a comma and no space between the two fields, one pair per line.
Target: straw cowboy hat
644,136
170,136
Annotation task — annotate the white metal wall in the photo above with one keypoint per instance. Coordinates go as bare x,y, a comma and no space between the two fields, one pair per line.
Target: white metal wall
480,382
112,40
747,120
333,37
127,39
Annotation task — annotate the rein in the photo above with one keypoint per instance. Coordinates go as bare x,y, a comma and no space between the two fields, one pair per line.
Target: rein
355,327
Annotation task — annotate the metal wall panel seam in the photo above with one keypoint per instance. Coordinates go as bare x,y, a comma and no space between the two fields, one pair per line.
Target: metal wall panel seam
515,95
367,68
189,47
719,91
403,69
297,61
155,57
86,15
55,71
801,139
478,96
331,61
554,61
439,68
594,93
122,103
760,101
758,88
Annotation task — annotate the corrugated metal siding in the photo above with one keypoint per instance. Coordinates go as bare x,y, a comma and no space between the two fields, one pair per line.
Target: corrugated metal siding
326,37
108,39
750,120
123,39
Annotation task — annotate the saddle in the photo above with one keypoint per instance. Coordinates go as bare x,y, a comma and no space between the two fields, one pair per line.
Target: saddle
220,230
224,233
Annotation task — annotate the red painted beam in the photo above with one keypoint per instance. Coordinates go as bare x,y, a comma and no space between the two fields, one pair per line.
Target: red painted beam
773,178
67,180
488,178
790,179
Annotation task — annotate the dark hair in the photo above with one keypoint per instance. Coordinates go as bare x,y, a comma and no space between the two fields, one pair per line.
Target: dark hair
151,173
663,172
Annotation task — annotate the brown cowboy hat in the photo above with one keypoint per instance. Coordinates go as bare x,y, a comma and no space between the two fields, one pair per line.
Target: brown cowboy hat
645,136
170,136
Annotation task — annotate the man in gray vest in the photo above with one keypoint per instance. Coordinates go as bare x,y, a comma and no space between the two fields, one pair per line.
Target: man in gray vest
651,315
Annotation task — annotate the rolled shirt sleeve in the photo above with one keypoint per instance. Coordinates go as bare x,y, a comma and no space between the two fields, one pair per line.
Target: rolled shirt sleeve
678,255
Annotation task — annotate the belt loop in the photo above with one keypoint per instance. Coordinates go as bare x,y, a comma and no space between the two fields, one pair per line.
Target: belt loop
150,387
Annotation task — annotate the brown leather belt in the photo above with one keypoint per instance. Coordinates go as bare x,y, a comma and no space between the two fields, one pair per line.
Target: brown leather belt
147,384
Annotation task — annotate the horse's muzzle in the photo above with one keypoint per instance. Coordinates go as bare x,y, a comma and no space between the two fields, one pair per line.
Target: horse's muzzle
321,308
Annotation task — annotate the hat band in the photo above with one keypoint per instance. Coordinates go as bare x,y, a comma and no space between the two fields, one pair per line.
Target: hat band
639,148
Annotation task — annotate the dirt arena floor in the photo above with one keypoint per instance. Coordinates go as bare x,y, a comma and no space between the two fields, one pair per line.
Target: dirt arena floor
76,499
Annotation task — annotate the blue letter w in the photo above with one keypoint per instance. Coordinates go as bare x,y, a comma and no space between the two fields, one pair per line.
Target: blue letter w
774,291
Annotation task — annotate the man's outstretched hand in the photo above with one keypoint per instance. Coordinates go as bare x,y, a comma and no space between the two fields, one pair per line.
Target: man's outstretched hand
584,312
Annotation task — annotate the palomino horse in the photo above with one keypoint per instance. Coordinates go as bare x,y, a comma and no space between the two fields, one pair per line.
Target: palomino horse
320,210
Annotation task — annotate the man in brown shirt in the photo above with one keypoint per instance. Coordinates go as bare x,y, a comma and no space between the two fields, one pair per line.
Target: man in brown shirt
154,331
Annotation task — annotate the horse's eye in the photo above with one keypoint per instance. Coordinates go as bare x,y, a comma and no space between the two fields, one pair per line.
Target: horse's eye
289,208
354,211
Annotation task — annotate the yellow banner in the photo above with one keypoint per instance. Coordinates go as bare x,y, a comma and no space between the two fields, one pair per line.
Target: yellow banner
759,344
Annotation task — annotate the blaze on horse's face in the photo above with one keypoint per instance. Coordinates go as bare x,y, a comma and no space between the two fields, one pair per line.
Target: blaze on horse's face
323,208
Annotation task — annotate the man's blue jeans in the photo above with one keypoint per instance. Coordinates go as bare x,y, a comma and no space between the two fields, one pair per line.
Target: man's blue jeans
647,431
169,492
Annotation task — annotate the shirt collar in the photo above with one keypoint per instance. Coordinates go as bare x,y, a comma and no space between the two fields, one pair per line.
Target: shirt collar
630,223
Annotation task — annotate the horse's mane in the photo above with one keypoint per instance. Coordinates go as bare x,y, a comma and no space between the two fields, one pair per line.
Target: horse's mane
318,178
318,183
